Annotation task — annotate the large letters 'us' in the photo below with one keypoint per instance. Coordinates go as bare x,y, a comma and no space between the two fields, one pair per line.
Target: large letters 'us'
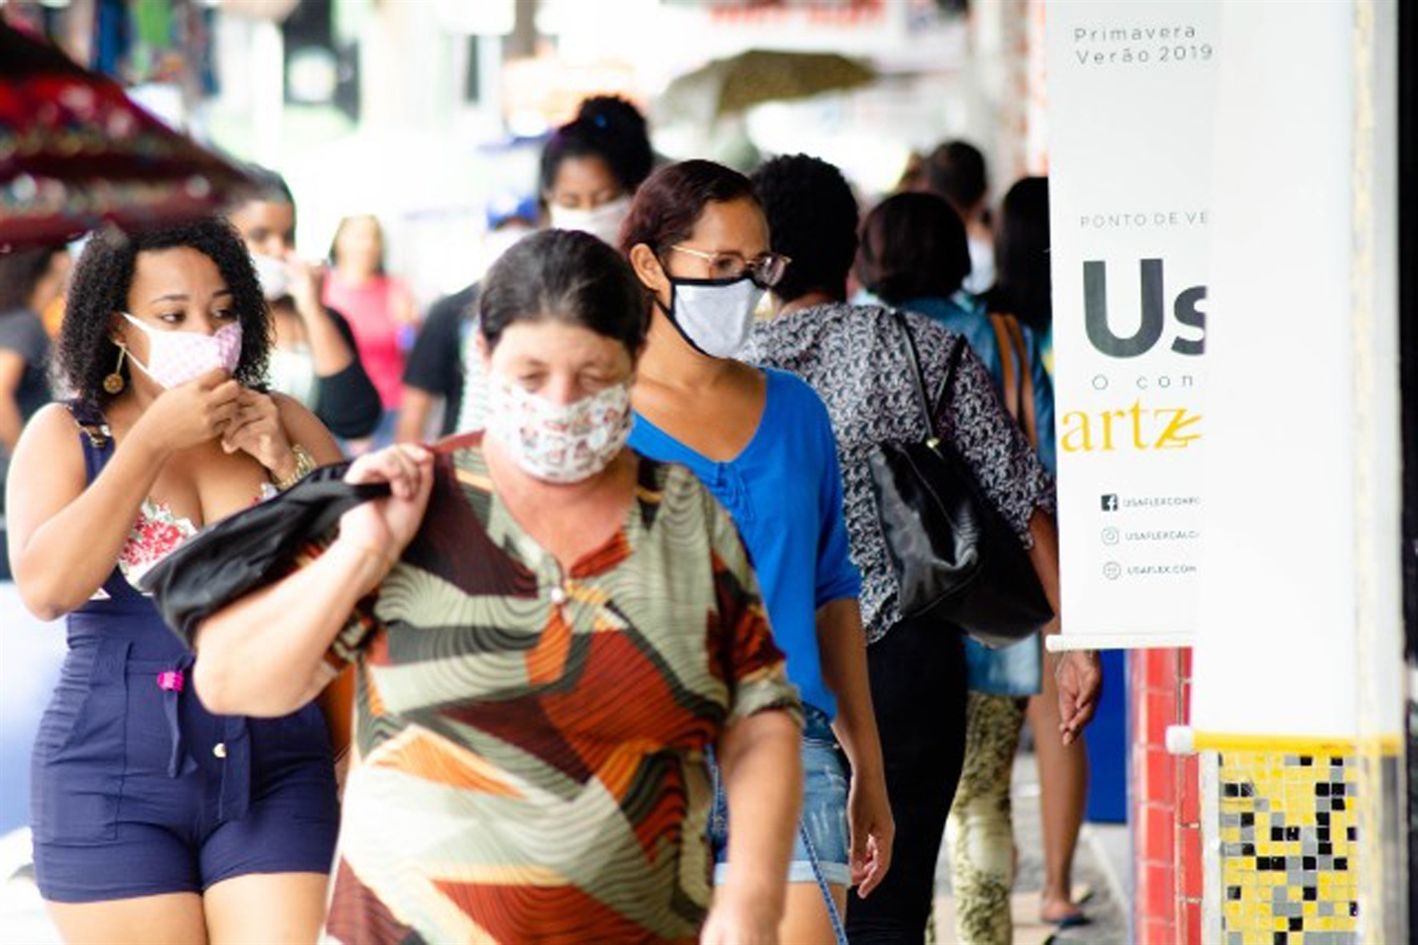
1185,308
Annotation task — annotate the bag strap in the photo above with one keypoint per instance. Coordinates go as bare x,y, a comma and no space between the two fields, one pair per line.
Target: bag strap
1017,378
1009,379
918,379
928,404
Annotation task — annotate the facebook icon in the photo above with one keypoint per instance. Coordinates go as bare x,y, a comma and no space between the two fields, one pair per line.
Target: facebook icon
1110,502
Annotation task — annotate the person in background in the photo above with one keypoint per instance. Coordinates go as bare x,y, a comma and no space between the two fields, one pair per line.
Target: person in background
1023,282
313,358
589,170
380,309
913,174
913,255
762,441
856,359
31,281
1024,289
444,365
153,819
956,171
551,632
435,373
592,166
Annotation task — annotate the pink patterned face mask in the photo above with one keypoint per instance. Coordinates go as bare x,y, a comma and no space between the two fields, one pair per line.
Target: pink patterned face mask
560,443
176,357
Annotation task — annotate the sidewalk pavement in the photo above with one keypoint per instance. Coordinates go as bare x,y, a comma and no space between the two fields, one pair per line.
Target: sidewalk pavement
1102,871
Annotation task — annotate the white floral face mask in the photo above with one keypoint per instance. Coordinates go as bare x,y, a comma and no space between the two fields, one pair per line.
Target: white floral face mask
559,443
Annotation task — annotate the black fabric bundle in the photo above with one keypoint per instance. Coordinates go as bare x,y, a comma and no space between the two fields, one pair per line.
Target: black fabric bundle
251,549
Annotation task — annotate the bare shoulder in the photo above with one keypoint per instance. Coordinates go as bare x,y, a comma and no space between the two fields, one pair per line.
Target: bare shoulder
54,432
291,410
49,450
303,428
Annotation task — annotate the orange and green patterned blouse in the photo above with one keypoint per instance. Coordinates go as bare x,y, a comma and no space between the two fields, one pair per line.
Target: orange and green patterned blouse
532,742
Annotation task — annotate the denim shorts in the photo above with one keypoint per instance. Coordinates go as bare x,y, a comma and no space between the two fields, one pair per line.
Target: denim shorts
824,809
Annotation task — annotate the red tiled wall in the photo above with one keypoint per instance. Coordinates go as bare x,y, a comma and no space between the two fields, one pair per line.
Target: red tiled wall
1166,809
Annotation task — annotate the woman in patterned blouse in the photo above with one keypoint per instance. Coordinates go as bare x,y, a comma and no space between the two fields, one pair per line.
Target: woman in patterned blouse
550,632
855,357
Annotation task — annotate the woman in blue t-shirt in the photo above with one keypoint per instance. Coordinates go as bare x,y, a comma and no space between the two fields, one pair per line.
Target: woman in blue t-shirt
763,443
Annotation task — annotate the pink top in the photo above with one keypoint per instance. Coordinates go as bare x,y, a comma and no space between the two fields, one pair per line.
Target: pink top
369,308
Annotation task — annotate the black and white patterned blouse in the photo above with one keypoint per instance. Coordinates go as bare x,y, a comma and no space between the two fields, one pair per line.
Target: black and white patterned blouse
855,357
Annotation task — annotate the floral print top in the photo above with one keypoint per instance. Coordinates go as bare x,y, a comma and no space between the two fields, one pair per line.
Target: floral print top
156,534
855,356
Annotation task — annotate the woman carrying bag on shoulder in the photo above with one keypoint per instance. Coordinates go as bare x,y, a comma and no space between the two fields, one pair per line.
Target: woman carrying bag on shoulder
550,632
859,358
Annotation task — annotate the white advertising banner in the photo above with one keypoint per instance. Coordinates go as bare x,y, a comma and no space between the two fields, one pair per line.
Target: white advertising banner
1130,113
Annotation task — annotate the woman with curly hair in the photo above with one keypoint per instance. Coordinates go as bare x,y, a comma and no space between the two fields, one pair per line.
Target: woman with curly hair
153,819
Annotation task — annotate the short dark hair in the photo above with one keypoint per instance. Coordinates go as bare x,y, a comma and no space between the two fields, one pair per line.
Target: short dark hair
20,272
913,246
1023,283
671,201
99,288
812,218
266,186
606,127
565,276
956,171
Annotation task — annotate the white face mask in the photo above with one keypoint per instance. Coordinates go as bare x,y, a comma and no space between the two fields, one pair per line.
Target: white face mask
273,276
176,357
714,315
559,443
602,222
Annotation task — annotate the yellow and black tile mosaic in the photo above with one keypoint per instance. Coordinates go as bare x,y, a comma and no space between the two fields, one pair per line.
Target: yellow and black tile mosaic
1288,841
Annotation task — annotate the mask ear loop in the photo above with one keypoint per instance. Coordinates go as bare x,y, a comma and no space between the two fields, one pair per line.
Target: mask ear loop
132,359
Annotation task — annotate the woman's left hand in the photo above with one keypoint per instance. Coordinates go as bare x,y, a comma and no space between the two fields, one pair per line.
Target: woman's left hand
256,429
873,831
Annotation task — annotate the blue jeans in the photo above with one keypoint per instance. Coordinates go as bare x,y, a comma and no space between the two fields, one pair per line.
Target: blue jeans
824,809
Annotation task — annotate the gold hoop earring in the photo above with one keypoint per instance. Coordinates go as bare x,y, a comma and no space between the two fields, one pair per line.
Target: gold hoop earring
114,383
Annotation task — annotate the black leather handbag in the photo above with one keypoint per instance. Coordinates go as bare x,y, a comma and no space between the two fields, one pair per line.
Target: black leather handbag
955,556
252,548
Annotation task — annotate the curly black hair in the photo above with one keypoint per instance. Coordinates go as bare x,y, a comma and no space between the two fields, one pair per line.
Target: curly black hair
99,288
812,219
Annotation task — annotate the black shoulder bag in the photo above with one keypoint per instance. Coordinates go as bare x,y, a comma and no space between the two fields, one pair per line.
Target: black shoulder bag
955,556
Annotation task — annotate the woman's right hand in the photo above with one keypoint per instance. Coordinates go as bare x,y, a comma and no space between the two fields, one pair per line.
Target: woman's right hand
190,414
386,526
306,282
